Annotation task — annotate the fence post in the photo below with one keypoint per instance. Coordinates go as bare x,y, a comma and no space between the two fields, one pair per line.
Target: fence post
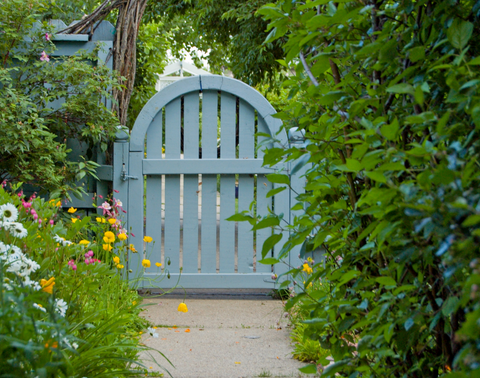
121,149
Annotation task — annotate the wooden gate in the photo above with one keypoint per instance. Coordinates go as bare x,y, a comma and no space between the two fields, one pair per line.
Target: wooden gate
191,163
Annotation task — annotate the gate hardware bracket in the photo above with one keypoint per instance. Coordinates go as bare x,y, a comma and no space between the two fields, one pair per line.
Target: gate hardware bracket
126,177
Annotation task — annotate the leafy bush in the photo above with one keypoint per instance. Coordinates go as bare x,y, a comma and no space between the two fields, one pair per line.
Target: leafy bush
389,104
45,100
66,309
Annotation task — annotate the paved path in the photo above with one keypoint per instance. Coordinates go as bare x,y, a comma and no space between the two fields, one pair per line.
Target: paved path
221,338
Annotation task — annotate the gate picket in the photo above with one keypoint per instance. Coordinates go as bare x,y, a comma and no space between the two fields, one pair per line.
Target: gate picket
246,150
154,193
172,185
227,184
209,184
190,184
264,204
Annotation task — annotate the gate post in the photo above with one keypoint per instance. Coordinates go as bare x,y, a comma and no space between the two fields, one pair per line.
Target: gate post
120,165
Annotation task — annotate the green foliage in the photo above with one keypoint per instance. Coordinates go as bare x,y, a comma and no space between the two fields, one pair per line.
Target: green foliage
388,100
226,33
152,46
45,100
66,309
306,349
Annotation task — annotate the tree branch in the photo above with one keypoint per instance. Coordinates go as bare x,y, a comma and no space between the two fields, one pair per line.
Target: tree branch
307,69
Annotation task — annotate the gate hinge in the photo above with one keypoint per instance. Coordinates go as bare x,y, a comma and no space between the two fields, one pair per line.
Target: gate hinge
126,177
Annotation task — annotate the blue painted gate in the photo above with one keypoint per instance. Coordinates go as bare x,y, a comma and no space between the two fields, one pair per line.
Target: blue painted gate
209,169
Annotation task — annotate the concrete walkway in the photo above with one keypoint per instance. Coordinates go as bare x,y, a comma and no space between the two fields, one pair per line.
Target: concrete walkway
221,337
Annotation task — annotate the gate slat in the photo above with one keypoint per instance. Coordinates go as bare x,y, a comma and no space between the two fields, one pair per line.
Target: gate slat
191,125
246,150
172,186
227,184
135,214
154,193
190,184
263,203
282,205
209,184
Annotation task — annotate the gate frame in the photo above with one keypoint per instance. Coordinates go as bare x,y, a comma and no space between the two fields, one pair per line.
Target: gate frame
129,153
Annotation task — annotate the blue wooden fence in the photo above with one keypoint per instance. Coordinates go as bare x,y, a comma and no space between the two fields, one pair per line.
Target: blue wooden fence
71,44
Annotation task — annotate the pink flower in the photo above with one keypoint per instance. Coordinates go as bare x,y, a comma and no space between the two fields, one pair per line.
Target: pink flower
72,265
44,57
35,216
89,254
105,206
39,220
116,191
47,37
51,222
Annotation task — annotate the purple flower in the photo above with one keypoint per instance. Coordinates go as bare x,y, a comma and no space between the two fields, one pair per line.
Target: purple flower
44,57
47,37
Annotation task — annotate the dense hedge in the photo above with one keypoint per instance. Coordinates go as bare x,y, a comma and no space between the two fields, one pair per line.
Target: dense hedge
388,98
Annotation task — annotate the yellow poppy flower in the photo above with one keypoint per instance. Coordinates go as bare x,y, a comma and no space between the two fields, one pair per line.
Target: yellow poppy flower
47,286
112,221
99,220
147,239
158,264
182,307
84,242
116,260
120,266
58,204
122,236
131,247
109,237
72,210
146,263
74,220
107,247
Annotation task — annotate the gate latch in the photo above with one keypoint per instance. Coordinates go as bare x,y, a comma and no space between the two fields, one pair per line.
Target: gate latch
126,177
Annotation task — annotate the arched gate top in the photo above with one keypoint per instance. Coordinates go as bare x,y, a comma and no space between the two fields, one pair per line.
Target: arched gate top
200,83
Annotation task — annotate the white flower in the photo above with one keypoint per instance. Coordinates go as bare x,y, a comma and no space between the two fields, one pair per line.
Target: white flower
152,332
105,206
33,284
75,345
61,240
17,230
39,306
61,306
8,212
6,284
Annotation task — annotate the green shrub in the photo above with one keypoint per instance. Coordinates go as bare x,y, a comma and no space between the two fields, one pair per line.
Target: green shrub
389,104
45,100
